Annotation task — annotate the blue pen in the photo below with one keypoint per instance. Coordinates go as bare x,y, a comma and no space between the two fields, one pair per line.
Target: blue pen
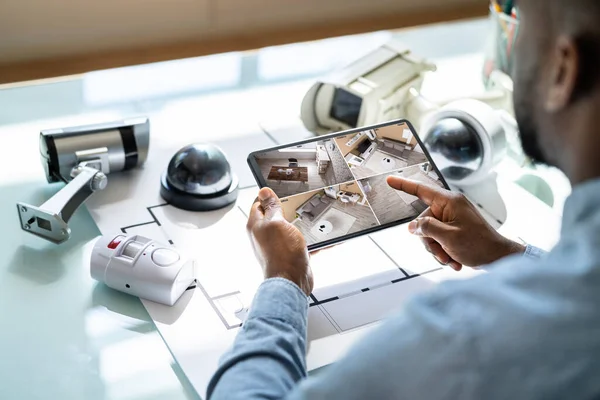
508,7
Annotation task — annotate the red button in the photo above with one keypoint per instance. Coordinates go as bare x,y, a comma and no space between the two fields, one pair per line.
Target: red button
115,242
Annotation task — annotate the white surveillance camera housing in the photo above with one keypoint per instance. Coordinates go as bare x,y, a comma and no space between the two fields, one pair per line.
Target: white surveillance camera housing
385,84
466,139
370,90
141,267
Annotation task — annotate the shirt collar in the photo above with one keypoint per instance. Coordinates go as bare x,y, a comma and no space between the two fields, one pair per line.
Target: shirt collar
582,204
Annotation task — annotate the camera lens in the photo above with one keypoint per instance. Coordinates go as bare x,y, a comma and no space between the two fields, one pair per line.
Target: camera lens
455,147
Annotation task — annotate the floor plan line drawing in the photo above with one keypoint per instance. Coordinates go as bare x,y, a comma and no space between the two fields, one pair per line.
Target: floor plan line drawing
331,319
221,296
152,213
388,256
197,284
316,303
154,219
124,229
320,302
406,275
211,301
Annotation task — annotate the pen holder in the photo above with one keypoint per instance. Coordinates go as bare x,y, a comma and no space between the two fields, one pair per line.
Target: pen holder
499,53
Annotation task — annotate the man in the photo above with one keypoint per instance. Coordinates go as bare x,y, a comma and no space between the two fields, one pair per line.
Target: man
530,328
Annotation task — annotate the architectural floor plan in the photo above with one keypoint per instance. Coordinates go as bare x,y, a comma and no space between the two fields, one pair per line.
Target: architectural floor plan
356,284
340,285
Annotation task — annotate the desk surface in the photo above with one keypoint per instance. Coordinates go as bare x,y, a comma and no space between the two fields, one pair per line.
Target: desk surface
63,336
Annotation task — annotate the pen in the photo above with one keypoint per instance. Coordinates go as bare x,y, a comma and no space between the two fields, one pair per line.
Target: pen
508,6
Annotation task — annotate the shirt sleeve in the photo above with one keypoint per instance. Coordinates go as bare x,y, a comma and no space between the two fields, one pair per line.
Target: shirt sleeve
534,252
441,345
428,351
268,357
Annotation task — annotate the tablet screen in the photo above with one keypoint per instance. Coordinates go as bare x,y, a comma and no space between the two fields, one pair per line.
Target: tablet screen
335,187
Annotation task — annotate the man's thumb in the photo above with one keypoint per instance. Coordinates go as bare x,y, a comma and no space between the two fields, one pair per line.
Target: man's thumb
429,227
270,204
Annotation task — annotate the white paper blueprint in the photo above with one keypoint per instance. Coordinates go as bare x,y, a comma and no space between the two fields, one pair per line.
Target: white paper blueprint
356,284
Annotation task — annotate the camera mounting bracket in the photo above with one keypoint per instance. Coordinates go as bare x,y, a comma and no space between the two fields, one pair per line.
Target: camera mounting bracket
50,220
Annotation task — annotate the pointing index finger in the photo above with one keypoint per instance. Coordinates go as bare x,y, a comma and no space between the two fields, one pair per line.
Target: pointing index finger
424,192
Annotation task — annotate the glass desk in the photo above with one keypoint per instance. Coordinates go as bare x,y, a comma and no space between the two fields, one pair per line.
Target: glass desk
62,335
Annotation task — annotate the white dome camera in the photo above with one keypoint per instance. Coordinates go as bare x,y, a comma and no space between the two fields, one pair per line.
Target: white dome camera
466,139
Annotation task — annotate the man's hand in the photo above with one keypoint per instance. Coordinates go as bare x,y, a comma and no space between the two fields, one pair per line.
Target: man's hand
278,245
452,229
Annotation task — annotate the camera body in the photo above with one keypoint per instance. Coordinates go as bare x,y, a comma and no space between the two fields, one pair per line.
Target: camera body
108,147
371,90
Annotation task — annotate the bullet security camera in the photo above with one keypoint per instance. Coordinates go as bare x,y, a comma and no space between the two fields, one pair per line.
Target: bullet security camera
82,157
371,90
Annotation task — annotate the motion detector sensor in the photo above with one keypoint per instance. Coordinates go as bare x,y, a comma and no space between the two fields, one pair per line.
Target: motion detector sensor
141,267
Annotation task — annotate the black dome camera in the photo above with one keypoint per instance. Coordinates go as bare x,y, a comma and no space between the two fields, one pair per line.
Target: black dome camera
199,178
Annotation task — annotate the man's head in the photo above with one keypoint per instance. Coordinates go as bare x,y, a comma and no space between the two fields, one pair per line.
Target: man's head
557,83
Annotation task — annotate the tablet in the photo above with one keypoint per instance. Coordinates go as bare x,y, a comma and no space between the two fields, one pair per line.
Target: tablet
333,188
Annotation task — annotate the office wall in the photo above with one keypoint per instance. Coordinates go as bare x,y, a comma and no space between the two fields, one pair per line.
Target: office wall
42,38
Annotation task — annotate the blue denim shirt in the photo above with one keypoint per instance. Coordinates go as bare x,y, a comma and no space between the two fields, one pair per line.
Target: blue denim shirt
528,329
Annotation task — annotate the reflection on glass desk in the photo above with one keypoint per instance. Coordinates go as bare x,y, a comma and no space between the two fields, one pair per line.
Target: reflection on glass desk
63,335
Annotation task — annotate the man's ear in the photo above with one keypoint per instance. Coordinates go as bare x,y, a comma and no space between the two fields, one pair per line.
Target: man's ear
563,74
